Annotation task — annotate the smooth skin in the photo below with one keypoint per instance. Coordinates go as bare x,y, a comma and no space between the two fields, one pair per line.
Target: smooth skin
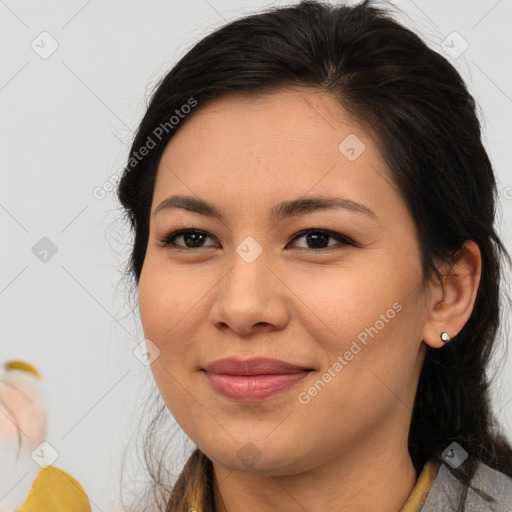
301,301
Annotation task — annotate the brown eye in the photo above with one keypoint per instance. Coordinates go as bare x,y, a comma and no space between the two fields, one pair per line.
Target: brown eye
319,239
192,238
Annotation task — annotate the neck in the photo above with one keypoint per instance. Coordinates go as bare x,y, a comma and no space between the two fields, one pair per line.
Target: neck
373,481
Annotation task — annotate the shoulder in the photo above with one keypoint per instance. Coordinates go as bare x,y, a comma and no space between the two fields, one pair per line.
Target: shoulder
446,491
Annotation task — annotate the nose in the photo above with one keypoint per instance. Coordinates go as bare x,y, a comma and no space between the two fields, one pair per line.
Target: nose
250,298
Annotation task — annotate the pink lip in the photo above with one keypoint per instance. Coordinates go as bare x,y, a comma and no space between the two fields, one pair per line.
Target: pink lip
255,366
252,380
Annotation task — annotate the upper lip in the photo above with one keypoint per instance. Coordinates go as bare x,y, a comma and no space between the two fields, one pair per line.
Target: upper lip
256,366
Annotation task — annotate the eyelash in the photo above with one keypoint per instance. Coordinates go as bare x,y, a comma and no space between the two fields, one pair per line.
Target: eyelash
344,240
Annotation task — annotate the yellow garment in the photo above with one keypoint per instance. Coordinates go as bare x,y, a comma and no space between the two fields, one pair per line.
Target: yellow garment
419,494
22,366
55,490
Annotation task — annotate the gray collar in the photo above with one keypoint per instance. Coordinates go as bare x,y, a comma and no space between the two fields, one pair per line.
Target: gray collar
446,490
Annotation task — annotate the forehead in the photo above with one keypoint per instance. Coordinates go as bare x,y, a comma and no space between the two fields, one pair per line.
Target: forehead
247,147
277,118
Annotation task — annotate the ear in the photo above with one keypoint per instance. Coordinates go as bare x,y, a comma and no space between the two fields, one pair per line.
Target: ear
451,304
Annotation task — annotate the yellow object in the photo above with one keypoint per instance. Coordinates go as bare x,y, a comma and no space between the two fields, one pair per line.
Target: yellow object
421,489
23,366
55,490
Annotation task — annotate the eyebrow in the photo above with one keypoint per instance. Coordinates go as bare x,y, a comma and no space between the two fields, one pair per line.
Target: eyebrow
280,211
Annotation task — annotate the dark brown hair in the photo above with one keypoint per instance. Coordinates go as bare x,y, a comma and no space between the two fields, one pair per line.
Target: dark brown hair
423,120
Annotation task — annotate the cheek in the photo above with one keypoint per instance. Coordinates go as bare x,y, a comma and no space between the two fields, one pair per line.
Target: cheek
171,312
165,297
160,309
369,315
151,303
345,302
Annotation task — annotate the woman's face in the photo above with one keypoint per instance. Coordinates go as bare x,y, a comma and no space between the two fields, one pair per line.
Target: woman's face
351,313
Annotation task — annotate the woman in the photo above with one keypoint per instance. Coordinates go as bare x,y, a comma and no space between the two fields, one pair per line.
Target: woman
317,269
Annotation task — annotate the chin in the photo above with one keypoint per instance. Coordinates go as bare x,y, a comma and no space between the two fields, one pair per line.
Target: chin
248,456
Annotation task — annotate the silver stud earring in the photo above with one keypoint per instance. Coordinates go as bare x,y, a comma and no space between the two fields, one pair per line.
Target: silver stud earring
445,337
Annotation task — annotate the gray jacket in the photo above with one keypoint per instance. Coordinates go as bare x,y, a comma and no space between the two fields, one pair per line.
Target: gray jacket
446,490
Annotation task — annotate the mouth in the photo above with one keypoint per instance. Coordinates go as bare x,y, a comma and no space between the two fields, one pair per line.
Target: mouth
255,366
253,380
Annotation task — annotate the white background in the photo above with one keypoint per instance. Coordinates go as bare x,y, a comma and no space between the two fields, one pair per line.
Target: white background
66,125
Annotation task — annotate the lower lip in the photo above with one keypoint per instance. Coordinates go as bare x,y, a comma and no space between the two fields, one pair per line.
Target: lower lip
253,388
